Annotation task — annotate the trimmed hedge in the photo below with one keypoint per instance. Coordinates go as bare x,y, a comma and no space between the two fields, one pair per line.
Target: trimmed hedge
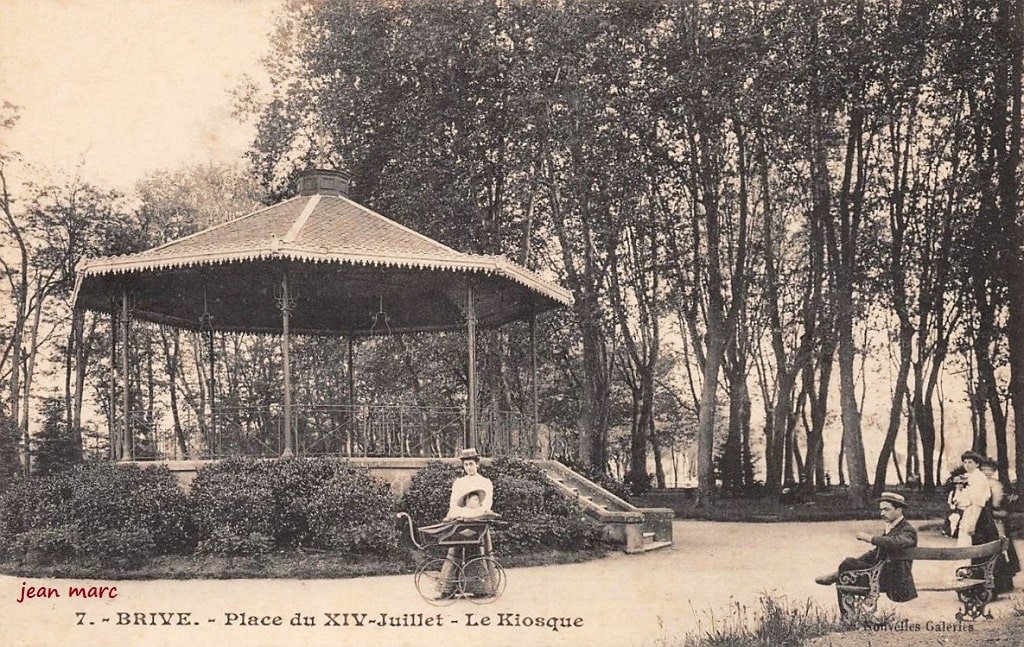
540,517
248,506
115,515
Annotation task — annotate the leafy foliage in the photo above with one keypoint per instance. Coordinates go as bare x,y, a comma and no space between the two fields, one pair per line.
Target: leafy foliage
232,500
9,463
353,513
113,514
246,506
426,500
55,449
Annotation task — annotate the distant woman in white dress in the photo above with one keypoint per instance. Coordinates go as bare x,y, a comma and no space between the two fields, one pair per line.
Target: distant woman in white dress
971,497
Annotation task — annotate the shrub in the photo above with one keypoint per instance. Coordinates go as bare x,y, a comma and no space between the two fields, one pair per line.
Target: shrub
35,503
95,511
108,496
232,501
426,500
540,516
246,506
295,482
121,547
518,497
45,546
228,541
353,513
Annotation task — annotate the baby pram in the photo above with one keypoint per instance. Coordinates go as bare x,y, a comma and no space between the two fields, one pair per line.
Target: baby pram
459,561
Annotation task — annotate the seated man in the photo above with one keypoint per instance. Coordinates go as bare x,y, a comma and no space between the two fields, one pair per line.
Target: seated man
897,581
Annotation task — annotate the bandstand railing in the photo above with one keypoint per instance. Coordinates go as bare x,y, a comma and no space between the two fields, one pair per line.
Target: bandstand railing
361,430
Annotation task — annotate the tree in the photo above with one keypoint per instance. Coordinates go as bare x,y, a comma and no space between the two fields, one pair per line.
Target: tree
57,447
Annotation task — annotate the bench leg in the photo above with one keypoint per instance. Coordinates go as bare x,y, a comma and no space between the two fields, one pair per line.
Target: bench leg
974,600
857,605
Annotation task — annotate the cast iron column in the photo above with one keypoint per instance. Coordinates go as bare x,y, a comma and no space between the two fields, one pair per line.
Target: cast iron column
533,385
351,396
470,439
128,445
206,325
115,438
286,306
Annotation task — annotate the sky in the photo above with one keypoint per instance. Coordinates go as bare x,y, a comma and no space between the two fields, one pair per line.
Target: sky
123,88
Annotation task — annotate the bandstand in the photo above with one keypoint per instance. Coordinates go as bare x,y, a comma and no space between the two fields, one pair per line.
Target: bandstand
318,264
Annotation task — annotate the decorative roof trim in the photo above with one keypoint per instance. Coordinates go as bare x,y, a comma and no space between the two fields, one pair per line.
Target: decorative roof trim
457,262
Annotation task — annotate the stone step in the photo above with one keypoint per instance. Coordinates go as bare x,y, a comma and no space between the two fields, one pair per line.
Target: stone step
656,545
625,522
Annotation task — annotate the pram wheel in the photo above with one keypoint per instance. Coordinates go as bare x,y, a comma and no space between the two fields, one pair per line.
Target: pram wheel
483,579
438,581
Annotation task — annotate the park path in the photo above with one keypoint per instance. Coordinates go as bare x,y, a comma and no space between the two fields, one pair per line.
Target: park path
629,601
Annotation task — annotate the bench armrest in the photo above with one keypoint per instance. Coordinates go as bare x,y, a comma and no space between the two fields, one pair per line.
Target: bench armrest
863,578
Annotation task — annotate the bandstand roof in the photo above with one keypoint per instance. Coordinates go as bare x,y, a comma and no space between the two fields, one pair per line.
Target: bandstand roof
344,263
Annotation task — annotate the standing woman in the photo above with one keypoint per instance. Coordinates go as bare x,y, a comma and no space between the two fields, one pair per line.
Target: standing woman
1009,563
472,486
971,500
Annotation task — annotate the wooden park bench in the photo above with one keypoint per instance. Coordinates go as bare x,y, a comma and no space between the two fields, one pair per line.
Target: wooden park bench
974,584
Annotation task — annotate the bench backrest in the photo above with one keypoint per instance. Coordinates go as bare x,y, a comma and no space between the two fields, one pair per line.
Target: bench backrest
950,553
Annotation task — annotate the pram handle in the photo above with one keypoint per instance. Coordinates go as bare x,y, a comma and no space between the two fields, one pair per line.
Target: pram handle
412,529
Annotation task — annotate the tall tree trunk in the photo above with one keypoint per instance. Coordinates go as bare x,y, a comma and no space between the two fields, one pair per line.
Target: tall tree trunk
706,419
1009,34
659,467
30,366
843,248
584,280
819,399
900,147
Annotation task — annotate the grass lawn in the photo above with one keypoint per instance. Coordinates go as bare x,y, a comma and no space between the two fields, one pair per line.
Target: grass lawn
295,564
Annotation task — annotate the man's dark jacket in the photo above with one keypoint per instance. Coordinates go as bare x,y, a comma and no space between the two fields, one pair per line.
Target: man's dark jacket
896,580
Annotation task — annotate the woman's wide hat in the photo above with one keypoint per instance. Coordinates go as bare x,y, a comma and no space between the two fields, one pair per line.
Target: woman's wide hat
465,497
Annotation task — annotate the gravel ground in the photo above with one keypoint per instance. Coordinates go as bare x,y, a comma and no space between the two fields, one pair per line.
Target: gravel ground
712,571
1001,632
